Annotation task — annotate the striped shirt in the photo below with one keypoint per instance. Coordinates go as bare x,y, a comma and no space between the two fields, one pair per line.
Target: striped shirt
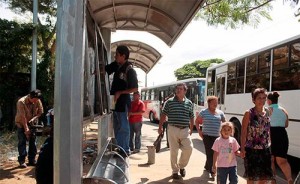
212,122
179,112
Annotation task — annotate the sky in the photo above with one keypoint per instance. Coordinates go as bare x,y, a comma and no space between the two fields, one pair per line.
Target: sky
200,42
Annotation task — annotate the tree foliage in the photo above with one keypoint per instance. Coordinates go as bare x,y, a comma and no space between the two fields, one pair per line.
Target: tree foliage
195,69
15,47
47,7
236,13
15,67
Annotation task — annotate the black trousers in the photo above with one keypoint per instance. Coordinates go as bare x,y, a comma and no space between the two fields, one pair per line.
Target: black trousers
208,142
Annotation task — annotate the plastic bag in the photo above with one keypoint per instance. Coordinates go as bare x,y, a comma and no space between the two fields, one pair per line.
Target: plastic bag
157,142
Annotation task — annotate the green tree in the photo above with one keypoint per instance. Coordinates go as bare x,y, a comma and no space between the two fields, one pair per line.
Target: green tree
236,13
195,69
15,67
46,40
46,23
15,47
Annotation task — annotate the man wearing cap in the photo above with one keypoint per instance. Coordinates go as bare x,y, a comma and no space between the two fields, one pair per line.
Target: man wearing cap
124,82
29,109
137,108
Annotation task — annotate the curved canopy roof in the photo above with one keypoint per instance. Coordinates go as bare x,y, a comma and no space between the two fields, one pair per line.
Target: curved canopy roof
141,55
164,18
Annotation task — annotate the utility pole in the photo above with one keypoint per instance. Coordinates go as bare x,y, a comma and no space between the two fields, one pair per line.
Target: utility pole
34,45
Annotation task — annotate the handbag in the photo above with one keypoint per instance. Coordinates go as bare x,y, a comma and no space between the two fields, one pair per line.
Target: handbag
157,142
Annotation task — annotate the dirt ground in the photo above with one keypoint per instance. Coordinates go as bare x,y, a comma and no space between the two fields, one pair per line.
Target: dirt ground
11,173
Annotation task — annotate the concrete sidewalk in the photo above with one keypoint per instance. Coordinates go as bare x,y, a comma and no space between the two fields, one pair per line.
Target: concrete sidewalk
141,172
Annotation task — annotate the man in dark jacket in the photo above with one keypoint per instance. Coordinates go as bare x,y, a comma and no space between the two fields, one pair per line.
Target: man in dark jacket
124,82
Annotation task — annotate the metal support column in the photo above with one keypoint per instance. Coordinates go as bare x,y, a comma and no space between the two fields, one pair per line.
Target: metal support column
68,92
34,45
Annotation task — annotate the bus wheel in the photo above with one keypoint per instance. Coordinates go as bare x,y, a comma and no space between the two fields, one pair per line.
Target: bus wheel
151,117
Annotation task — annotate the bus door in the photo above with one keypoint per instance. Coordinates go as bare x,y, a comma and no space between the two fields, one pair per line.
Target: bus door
220,90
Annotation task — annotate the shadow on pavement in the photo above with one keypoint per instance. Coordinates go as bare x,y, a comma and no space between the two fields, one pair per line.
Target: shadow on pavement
195,180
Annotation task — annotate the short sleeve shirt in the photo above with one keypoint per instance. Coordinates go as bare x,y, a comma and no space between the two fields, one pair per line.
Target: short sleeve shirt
211,122
27,109
226,149
179,113
138,106
125,77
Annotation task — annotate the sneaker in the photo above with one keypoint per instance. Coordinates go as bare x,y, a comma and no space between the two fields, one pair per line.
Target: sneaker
23,165
212,176
182,172
136,151
175,176
32,163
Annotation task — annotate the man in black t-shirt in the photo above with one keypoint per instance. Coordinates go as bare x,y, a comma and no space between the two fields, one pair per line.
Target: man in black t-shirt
124,82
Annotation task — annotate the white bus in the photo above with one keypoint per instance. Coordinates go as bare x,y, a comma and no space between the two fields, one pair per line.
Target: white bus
276,68
154,96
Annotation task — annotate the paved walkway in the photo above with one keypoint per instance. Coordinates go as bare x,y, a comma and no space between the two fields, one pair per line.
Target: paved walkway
141,172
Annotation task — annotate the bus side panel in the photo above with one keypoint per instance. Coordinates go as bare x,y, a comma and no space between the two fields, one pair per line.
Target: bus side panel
293,134
290,100
147,109
152,106
238,104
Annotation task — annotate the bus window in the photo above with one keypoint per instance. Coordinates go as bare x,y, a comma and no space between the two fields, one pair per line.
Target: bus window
295,54
264,62
240,85
148,95
211,82
231,71
240,68
280,57
231,76
201,91
143,94
257,81
190,94
231,86
286,79
235,77
251,65
161,97
152,97
221,88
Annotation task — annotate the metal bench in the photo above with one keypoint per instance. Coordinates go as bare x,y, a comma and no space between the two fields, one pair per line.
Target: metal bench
109,167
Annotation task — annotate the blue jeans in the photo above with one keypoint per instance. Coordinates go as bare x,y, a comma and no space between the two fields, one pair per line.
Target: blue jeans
223,172
121,129
135,128
22,147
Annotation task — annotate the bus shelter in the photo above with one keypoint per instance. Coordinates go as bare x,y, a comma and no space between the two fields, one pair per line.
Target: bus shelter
83,49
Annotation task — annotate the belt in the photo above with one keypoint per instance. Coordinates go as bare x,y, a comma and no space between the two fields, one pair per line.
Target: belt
179,126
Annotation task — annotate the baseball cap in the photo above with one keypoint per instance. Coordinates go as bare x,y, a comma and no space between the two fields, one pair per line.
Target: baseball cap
36,94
